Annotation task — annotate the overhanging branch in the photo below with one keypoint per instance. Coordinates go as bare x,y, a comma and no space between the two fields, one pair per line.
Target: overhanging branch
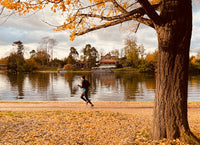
150,11
141,20
102,26
139,12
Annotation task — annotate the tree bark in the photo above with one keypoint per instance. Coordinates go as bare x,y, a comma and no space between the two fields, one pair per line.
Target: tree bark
174,35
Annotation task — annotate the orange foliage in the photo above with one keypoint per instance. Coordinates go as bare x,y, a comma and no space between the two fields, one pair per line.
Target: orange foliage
155,1
193,60
73,10
151,58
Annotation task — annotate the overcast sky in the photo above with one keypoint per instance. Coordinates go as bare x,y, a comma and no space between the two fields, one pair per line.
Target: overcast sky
30,30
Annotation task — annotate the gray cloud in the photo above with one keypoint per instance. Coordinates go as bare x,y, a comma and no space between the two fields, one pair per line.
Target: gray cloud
30,30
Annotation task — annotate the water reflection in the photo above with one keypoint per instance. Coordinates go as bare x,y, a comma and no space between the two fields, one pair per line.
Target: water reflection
194,87
135,85
69,78
17,81
104,87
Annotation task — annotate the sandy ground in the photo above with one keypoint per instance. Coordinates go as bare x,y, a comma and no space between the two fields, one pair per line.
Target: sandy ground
124,107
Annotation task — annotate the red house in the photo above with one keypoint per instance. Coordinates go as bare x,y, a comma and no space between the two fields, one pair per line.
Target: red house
108,61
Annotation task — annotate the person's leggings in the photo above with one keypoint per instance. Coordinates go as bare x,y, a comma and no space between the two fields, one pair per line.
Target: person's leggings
86,99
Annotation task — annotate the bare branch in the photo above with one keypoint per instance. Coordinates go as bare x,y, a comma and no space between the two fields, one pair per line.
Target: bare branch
49,23
150,11
119,7
1,11
132,4
137,27
55,2
92,5
7,17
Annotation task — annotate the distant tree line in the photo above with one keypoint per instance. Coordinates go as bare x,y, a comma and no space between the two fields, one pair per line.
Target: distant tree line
132,56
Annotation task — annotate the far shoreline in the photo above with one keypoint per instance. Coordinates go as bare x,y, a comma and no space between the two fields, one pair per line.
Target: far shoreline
90,71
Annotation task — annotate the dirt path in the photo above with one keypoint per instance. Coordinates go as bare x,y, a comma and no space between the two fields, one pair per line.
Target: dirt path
125,107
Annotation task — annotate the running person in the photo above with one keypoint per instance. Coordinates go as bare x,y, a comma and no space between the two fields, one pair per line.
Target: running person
85,86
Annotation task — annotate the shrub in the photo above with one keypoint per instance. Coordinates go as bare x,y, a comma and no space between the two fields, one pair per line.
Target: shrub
68,67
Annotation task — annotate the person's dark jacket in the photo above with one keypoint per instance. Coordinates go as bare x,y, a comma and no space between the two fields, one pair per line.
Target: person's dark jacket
85,84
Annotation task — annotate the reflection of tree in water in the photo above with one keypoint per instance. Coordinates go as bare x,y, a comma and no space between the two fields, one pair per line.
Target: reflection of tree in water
17,80
33,80
128,85
133,84
91,78
106,79
130,82
194,80
44,83
53,77
150,82
40,81
70,77
194,87
43,80
106,84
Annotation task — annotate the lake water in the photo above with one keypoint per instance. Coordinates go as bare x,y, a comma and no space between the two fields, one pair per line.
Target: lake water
104,87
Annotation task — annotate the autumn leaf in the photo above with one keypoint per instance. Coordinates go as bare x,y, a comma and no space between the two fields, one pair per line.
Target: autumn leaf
79,127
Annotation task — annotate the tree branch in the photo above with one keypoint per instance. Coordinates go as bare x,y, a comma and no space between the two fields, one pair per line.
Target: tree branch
132,4
150,11
136,12
102,26
91,6
141,20
1,11
139,12
55,2
119,7
7,16
137,27
144,21
136,16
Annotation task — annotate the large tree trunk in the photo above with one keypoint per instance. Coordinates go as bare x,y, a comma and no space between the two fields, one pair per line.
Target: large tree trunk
174,35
